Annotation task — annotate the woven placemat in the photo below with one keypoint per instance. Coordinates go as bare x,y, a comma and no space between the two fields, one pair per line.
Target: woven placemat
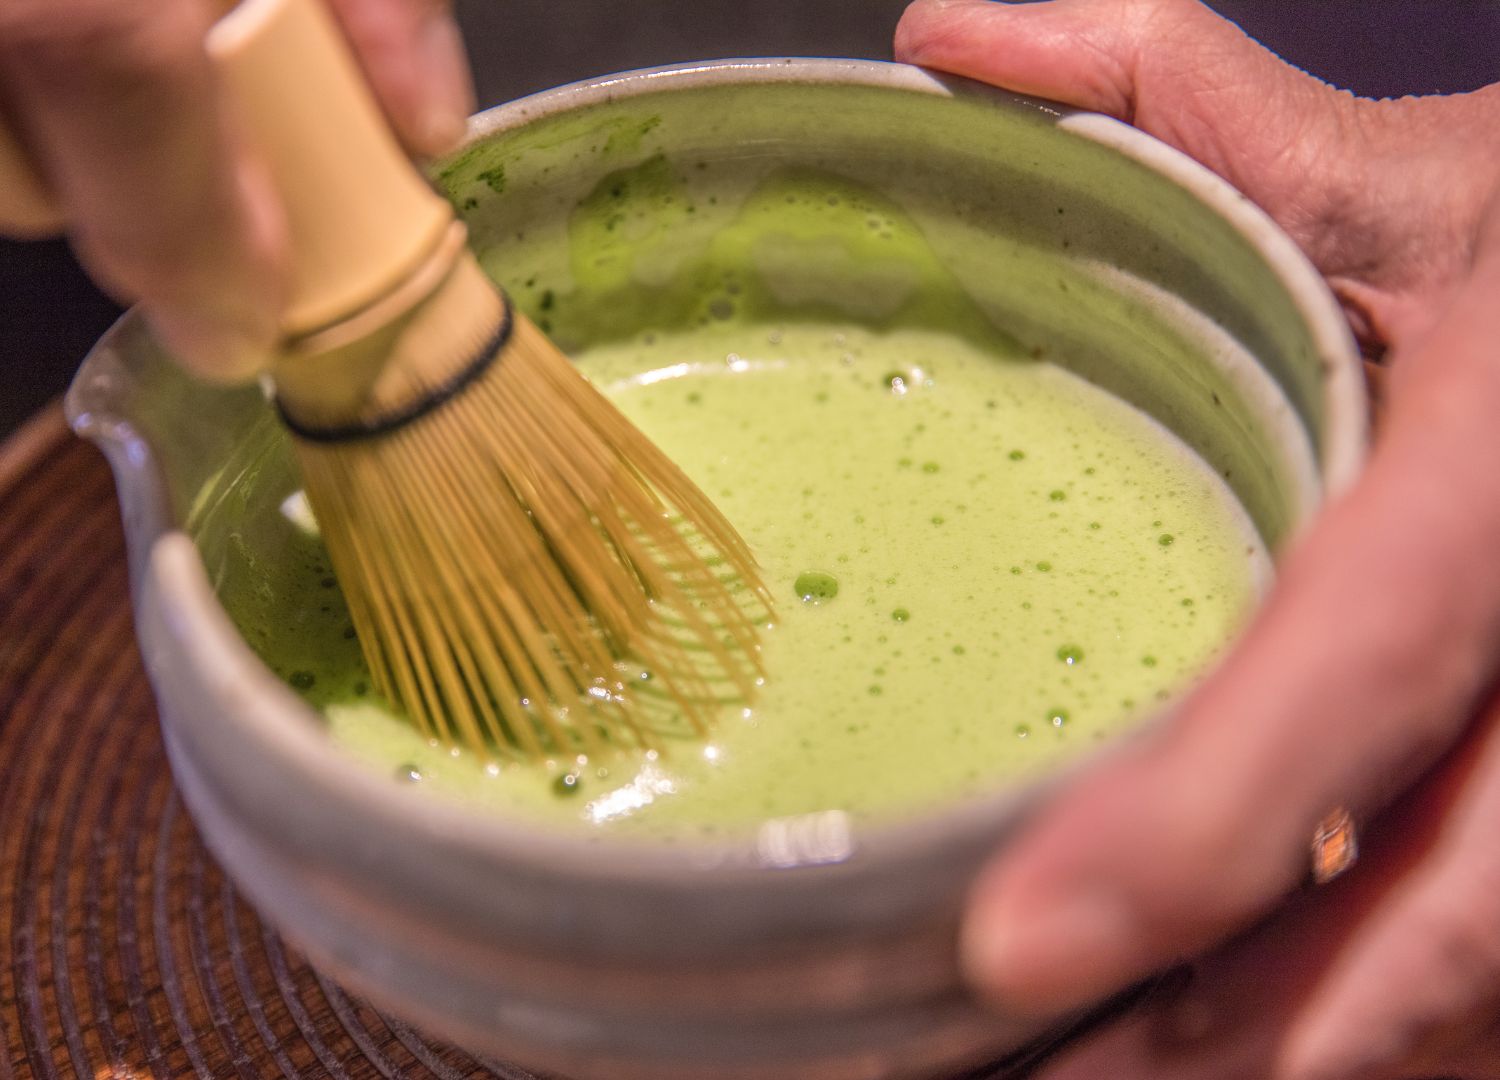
124,951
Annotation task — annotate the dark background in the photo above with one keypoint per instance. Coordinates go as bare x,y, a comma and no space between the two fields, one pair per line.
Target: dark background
49,314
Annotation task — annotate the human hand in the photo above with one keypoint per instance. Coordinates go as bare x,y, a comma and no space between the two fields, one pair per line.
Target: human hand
117,104
1376,655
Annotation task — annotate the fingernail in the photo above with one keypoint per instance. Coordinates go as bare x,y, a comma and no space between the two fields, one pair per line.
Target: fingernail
1042,959
223,348
443,115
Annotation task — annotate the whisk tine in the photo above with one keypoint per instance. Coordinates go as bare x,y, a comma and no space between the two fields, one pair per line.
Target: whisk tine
564,499
659,473
516,628
622,521
683,601
507,528
472,636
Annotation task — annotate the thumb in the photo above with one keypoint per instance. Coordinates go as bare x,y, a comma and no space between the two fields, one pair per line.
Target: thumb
1173,68
1104,55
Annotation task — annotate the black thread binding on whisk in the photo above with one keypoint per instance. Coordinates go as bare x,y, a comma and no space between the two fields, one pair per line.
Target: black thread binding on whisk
483,357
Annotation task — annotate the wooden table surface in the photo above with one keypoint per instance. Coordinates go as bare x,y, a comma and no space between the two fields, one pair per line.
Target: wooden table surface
124,951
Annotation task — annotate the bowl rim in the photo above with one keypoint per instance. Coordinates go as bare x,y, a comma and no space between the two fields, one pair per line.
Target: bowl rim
289,727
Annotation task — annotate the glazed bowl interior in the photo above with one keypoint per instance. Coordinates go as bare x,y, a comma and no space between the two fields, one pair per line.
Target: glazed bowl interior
619,205
605,216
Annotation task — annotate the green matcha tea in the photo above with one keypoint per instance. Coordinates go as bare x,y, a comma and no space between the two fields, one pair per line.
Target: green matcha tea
982,565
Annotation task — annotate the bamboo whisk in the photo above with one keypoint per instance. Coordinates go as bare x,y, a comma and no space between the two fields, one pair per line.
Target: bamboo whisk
505,550
504,536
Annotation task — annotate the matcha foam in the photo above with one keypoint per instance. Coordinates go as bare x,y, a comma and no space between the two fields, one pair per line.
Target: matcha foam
982,566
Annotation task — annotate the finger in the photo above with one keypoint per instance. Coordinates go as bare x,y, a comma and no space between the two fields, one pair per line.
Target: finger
120,110
1360,671
413,55
1056,50
1171,67
1423,978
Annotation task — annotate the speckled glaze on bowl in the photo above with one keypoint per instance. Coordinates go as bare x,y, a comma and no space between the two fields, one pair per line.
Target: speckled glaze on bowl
808,950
